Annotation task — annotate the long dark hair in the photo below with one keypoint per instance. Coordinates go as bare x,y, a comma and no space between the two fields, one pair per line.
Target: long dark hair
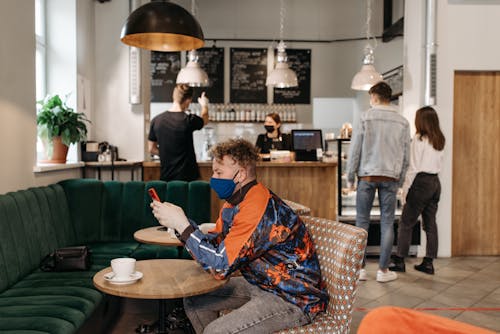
427,124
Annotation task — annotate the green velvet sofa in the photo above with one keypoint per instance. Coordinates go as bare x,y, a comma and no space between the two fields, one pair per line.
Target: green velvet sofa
102,215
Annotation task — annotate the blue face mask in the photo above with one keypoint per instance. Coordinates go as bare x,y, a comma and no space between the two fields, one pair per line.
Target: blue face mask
224,188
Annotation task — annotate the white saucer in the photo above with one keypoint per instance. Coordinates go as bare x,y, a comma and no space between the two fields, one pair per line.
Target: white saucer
110,277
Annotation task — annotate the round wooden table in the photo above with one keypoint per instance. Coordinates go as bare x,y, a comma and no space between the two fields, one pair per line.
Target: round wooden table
157,235
162,279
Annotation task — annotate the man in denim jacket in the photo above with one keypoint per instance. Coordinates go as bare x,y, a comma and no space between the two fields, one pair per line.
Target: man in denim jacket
379,157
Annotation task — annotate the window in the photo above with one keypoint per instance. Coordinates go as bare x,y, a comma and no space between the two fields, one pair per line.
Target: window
40,49
40,62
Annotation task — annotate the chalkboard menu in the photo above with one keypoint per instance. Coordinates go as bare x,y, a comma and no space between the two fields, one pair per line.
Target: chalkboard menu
212,61
164,69
299,60
248,75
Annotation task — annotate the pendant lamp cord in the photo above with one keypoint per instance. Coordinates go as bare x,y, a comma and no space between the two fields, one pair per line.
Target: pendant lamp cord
193,7
282,18
369,24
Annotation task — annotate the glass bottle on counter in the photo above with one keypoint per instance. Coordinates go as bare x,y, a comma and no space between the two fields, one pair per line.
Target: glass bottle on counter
246,112
208,143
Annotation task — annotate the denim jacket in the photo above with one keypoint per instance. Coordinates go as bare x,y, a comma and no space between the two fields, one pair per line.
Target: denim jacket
380,145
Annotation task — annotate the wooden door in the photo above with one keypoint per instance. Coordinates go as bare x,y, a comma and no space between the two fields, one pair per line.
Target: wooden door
476,164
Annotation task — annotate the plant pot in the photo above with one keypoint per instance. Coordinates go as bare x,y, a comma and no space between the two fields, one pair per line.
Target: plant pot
59,152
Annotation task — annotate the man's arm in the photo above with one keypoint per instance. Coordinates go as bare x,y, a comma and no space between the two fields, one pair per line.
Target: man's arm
406,155
354,153
153,147
203,101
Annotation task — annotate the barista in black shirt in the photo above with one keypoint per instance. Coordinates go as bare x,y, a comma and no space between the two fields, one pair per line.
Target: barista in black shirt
273,139
171,136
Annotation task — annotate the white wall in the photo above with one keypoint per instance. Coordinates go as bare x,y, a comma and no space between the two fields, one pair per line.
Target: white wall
115,120
17,94
85,62
17,99
17,90
465,35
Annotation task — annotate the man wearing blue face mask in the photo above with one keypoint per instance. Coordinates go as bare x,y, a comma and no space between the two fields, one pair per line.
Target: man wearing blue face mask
259,235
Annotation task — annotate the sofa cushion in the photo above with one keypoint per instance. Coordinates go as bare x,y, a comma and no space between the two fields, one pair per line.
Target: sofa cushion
36,324
145,252
198,208
101,253
69,314
84,197
33,223
48,302
78,303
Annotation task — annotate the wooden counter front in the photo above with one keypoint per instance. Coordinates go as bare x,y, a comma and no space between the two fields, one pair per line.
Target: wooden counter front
312,184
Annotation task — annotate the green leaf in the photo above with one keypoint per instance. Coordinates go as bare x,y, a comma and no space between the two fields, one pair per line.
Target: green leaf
58,119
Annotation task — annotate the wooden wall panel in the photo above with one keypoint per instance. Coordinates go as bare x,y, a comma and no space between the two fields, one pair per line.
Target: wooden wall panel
312,184
476,164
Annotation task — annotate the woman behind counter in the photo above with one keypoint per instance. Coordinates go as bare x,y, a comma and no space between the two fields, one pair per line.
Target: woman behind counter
273,139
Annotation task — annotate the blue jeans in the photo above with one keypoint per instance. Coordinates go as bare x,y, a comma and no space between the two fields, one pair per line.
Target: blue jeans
253,310
387,198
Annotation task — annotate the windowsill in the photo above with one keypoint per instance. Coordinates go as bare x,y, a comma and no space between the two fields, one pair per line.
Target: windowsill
43,167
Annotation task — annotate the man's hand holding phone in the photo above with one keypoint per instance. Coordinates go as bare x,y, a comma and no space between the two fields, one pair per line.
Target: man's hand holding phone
154,195
170,215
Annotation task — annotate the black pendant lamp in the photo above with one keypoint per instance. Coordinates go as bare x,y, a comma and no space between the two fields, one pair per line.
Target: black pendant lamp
162,26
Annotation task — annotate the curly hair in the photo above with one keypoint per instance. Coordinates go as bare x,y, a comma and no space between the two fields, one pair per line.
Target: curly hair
240,150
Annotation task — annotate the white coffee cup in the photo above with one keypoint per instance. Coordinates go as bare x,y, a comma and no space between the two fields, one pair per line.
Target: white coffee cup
123,267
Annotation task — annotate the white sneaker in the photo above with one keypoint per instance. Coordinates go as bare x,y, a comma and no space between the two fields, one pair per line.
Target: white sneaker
386,277
363,276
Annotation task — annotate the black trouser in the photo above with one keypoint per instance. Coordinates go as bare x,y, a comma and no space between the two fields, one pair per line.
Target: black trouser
422,199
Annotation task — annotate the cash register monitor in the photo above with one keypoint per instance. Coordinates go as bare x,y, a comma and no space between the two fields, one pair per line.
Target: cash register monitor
305,143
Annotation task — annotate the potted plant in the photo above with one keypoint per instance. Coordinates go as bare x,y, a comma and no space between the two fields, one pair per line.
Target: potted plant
58,127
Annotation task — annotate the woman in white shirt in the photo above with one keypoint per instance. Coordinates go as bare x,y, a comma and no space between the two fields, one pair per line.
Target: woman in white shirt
421,190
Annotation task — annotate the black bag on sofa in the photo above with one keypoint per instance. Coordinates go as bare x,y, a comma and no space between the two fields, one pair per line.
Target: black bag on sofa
67,259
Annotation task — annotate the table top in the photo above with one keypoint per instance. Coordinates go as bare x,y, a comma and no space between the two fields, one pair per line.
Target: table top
162,279
156,236
119,163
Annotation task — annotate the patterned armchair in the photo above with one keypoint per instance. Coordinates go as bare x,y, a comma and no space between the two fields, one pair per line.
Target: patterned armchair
340,249
299,209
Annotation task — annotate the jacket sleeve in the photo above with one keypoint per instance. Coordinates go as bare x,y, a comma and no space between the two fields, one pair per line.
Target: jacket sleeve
355,152
152,133
406,155
195,122
223,257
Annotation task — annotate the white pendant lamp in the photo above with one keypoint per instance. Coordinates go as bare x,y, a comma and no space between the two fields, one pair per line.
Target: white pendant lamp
282,76
368,75
193,75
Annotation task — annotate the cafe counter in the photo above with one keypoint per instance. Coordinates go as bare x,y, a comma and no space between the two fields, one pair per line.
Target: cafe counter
309,183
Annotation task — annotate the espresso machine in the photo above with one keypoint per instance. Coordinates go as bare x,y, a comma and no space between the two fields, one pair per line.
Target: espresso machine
208,143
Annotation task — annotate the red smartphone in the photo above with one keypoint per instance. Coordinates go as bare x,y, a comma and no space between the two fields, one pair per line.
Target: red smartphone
153,194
